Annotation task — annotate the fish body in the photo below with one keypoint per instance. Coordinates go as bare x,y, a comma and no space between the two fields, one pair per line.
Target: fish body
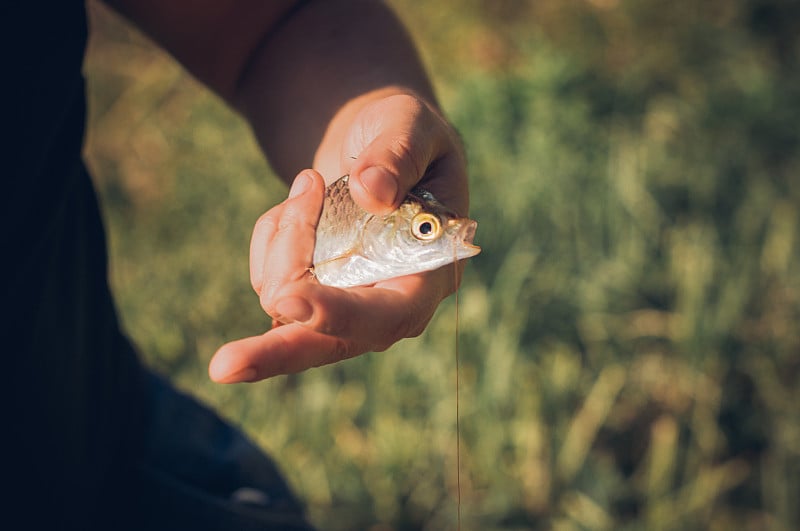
354,247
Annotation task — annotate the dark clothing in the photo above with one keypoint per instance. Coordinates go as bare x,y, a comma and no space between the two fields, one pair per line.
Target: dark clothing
198,473
95,441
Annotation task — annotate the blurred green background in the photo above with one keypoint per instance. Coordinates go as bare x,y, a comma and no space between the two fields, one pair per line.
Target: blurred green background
629,341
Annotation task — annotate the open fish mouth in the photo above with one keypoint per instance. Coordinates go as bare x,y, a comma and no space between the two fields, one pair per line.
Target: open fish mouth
466,235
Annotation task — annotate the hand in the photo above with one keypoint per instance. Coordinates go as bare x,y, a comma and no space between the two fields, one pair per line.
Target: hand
391,144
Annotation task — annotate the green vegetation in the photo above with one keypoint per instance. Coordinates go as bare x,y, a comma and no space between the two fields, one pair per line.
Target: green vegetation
630,335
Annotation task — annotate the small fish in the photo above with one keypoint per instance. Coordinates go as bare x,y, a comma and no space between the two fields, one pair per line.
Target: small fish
355,248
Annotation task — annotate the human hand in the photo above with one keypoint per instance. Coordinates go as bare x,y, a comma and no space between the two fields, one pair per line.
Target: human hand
390,145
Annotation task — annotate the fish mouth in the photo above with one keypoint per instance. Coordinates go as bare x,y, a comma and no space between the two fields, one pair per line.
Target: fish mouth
466,235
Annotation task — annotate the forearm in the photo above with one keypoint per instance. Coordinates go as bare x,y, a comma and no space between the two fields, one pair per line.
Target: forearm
297,70
309,78
213,39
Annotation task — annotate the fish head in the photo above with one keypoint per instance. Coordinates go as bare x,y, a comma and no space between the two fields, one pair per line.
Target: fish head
422,234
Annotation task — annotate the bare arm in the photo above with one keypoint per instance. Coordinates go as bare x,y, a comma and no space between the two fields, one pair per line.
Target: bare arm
296,69
335,86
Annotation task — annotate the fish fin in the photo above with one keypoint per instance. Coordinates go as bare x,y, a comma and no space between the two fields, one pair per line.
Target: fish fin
343,256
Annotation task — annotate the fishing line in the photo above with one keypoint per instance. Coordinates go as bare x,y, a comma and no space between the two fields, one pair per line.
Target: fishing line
458,416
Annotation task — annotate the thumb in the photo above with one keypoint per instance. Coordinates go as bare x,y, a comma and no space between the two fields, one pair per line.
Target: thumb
403,138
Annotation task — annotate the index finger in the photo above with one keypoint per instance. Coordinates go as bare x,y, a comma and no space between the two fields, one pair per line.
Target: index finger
282,246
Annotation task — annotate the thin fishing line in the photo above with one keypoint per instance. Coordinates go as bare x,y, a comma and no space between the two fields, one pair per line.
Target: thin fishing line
458,416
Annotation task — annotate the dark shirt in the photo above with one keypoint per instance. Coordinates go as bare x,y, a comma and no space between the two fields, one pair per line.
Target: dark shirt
74,382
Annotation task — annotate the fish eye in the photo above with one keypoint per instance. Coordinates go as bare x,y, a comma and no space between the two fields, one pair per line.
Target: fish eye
426,227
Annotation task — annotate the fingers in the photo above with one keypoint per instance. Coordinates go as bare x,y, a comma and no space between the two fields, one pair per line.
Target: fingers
284,350
282,245
395,141
378,316
341,324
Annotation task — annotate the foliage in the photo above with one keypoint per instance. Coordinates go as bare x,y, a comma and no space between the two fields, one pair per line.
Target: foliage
628,337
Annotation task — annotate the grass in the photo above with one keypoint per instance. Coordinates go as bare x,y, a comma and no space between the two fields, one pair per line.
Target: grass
629,334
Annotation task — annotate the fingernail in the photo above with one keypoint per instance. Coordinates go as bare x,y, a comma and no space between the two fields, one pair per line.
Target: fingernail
248,374
294,309
300,185
380,184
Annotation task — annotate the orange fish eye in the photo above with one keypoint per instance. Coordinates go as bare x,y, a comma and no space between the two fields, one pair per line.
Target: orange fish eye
426,227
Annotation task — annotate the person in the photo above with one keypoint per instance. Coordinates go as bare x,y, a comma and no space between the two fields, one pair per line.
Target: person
330,88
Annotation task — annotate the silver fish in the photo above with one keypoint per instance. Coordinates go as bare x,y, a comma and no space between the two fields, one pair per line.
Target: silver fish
355,248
